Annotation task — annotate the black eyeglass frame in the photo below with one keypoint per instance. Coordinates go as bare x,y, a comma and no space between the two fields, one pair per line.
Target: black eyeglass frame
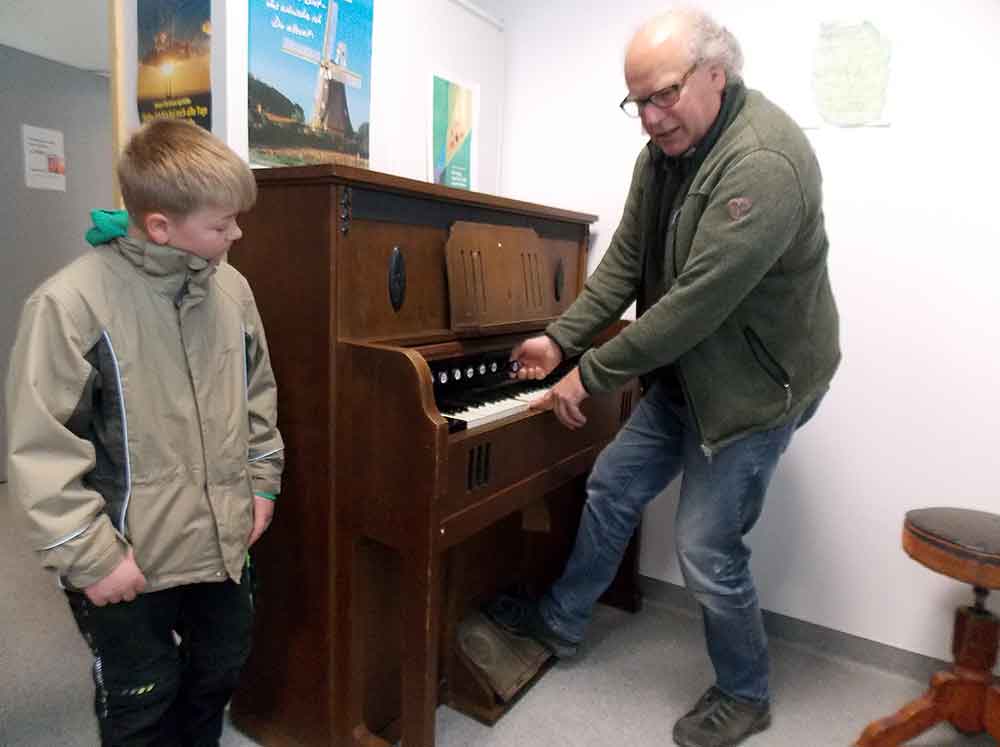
665,98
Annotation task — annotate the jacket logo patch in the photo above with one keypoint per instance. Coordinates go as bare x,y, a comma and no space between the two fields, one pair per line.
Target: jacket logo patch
739,206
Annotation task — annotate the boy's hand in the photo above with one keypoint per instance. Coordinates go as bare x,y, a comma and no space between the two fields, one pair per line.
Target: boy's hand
122,584
263,510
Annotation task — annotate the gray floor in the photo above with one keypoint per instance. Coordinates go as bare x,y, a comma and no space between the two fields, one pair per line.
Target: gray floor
635,676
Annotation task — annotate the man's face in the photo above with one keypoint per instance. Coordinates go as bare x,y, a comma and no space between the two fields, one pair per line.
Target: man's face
678,128
207,233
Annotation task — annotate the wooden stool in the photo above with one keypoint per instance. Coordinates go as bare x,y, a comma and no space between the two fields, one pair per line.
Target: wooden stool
965,545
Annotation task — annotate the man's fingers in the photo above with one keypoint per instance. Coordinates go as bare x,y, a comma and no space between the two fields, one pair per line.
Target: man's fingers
569,414
576,414
529,372
564,418
542,403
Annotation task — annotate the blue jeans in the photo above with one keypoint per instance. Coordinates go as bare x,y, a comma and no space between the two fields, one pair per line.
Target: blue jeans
720,501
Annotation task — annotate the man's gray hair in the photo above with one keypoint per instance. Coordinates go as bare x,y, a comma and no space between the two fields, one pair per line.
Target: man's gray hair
712,43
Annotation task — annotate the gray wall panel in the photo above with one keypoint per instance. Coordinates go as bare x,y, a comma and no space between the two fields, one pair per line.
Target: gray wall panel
40,231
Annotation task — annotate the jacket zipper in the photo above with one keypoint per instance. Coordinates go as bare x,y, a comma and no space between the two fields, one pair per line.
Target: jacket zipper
181,298
705,448
774,370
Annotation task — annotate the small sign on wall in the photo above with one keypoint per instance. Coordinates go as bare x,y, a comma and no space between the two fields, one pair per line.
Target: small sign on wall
44,158
454,121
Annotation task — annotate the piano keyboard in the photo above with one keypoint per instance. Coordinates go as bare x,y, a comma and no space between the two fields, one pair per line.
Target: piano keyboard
478,413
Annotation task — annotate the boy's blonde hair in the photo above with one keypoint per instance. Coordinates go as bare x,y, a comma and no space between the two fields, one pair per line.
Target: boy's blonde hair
174,166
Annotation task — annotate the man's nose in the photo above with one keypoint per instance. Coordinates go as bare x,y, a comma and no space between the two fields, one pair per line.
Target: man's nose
650,114
236,233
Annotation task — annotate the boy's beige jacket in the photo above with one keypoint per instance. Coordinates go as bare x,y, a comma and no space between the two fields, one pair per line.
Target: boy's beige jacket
141,411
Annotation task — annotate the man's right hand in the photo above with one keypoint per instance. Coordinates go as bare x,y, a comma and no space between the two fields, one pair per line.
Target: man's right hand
122,584
537,357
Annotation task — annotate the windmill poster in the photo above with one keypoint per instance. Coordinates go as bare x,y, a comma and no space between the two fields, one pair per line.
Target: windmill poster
454,111
174,75
309,94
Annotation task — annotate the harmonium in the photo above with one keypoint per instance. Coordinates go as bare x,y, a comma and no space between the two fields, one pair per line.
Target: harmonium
419,482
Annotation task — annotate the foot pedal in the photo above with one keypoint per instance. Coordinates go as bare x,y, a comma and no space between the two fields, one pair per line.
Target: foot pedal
507,662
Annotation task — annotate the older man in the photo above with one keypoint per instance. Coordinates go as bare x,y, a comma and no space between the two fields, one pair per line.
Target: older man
722,244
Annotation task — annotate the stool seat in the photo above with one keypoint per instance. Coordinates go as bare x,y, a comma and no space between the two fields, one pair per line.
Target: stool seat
957,542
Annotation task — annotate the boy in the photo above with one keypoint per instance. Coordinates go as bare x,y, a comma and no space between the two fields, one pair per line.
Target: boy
144,450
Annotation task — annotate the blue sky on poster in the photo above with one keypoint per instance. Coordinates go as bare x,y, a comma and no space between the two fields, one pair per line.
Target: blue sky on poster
304,24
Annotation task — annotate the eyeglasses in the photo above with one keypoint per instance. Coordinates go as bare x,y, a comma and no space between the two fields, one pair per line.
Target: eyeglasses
662,99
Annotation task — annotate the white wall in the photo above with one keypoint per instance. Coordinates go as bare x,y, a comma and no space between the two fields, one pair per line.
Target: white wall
411,42
912,418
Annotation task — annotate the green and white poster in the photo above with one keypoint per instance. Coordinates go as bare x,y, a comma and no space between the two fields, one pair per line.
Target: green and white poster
453,129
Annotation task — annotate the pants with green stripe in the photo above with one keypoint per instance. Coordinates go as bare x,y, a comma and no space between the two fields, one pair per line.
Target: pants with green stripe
150,688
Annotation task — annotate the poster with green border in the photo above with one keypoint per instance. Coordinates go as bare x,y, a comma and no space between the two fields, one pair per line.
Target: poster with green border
453,129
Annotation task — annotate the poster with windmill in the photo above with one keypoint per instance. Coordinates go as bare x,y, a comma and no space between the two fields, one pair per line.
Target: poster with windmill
309,94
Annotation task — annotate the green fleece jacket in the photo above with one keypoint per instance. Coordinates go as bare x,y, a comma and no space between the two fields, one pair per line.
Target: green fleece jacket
739,299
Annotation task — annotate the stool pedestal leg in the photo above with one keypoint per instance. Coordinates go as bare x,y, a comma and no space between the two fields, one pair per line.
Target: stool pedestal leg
966,695
992,718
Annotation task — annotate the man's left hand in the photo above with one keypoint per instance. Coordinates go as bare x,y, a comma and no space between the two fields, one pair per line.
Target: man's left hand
263,510
564,399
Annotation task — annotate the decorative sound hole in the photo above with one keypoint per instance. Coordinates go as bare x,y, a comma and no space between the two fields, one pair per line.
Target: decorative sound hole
397,279
478,473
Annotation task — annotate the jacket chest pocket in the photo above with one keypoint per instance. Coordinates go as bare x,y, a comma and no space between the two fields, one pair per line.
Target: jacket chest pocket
680,234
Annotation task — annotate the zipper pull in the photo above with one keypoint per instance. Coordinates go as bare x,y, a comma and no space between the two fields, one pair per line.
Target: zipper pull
182,291
707,451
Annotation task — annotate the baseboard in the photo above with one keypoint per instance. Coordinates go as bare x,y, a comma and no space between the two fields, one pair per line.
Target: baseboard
818,639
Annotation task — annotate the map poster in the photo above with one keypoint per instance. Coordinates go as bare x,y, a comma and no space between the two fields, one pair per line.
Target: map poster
851,74
453,127
174,75
309,95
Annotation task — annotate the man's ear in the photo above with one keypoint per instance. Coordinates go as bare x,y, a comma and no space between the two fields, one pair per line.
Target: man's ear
157,227
717,74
